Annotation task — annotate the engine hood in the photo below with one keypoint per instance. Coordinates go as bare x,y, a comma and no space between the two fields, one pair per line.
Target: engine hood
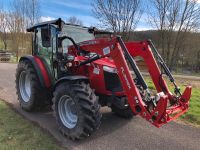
105,62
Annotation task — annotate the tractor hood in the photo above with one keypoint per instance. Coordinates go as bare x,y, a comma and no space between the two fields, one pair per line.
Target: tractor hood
105,62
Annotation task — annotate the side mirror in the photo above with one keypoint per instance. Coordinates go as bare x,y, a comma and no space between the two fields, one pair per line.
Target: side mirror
46,37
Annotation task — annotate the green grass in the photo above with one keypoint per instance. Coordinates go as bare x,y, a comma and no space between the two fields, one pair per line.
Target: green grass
13,59
18,133
192,116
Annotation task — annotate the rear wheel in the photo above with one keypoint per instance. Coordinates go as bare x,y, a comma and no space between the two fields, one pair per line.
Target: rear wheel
30,93
76,109
124,112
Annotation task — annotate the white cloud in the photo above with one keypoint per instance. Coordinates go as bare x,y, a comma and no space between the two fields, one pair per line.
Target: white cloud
90,21
75,4
46,18
87,20
143,28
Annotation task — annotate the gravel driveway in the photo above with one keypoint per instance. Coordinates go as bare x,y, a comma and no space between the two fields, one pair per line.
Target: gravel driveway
115,133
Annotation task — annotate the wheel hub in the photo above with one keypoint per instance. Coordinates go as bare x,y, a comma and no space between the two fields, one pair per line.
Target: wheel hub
67,111
25,86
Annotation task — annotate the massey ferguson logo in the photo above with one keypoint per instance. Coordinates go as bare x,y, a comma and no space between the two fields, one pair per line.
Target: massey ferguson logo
125,77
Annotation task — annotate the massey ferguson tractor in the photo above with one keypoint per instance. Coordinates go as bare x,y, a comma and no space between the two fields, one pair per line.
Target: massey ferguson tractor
78,74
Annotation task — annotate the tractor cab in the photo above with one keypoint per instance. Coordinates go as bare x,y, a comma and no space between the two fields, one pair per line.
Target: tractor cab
52,40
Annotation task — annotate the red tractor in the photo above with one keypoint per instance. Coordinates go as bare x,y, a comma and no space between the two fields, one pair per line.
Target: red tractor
85,73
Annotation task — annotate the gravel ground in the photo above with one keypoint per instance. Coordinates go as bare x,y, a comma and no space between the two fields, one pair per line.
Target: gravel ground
115,133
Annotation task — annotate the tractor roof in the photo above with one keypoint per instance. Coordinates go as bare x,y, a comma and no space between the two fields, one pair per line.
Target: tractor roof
58,22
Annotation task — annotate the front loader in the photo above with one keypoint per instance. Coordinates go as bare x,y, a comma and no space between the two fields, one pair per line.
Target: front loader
85,73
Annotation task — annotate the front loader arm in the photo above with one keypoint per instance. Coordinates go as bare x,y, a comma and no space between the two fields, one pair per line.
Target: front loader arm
117,50
143,50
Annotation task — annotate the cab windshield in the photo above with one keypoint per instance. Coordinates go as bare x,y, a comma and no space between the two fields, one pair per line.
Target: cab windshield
79,34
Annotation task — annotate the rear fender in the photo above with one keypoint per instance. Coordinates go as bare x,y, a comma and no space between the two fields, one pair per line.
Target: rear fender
40,69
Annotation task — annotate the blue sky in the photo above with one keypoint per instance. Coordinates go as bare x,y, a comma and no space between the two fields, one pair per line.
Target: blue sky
51,9
66,8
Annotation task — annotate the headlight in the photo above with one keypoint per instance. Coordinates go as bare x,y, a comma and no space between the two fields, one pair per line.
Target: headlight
109,69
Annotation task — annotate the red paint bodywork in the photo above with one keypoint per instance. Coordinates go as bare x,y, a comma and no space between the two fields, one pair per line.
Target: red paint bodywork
161,114
97,81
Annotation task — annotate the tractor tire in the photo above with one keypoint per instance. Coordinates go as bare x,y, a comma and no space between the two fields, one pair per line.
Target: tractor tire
76,109
124,113
30,93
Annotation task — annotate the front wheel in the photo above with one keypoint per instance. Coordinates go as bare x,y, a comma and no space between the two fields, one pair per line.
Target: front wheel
76,109
124,112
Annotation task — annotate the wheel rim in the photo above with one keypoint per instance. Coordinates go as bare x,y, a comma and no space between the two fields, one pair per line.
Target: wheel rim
67,111
25,86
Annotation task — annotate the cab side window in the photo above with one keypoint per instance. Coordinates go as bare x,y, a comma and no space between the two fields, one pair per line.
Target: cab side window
43,41
46,37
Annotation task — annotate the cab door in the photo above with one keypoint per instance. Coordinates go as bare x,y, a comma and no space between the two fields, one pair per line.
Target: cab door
46,45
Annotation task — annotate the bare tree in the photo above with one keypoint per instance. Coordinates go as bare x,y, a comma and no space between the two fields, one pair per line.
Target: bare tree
74,20
33,11
197,67
174,19
189,21
3,27
28,11
158,19
120,16
24,13
15,24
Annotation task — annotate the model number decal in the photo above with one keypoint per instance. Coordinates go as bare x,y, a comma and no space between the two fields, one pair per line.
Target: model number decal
106,50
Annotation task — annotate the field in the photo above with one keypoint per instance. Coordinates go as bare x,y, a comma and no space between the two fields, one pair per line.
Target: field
193,114
9,46
18,133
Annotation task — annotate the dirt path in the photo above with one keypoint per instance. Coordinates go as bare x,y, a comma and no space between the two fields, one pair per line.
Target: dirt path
115,133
